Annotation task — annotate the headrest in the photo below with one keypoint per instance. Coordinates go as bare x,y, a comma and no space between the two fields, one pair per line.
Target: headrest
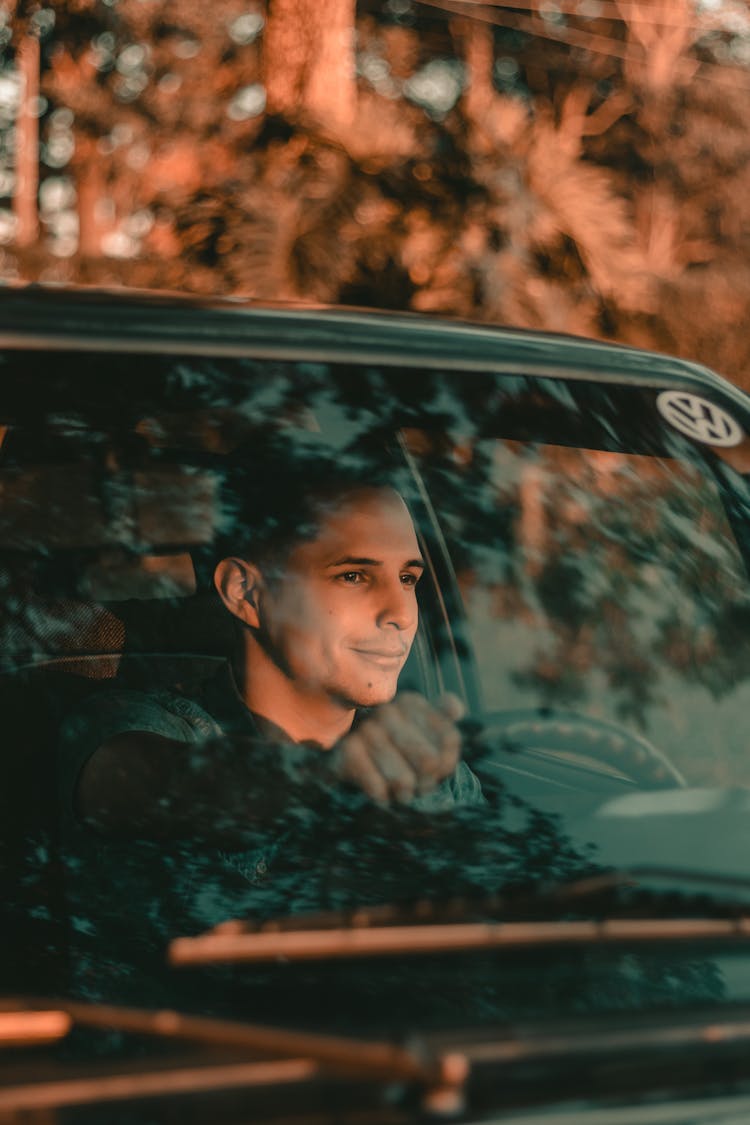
34,630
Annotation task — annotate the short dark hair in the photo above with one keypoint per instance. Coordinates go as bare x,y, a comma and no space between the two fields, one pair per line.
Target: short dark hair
275,493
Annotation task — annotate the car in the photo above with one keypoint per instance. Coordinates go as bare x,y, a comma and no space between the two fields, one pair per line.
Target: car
575,948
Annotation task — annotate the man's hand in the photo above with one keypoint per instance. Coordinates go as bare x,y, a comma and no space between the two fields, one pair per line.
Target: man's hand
404,748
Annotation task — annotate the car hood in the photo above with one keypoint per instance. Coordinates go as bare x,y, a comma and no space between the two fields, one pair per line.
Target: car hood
700,830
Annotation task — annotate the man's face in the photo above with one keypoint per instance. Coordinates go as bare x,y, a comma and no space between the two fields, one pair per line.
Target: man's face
341,618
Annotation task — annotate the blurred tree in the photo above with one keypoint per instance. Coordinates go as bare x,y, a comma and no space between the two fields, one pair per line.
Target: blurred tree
316,44
576,169
27,164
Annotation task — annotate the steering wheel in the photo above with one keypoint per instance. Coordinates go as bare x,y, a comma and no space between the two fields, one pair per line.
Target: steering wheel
571,739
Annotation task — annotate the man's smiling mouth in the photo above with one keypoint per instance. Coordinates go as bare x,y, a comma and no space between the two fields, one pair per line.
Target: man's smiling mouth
382,656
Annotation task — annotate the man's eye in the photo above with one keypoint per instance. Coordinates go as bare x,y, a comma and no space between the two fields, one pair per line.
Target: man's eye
409,579
351,577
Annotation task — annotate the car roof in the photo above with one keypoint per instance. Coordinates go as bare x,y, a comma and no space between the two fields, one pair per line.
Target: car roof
126,320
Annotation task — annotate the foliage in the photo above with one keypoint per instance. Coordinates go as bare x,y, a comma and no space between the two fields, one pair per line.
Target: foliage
576,172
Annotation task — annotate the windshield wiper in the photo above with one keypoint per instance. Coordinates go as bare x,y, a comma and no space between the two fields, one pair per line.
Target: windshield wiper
492,923
295,1056
315,945
677,1048
646,891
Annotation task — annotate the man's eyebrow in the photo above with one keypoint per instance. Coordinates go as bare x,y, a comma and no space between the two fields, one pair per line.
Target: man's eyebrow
356,560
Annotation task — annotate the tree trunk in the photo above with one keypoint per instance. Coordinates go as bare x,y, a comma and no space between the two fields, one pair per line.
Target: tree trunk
90,188
308,60
26,190
479,55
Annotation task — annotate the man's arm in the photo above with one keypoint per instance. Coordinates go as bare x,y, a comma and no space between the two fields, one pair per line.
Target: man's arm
223,790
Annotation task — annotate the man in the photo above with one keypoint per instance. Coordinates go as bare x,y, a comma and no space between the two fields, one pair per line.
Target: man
323,596
181,809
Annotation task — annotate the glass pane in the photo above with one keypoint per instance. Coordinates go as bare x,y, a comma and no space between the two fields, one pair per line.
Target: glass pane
611,585
580,555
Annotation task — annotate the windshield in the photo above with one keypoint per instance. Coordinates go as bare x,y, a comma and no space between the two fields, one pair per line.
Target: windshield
608,583
581,590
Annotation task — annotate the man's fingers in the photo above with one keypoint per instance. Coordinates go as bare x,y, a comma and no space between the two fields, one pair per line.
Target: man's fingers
391,761
439,722
416,708
450,750
443,718
423,734
353,764
391,727
452,707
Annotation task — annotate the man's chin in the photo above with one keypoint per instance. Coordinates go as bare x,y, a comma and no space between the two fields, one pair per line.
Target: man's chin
377,700
373,694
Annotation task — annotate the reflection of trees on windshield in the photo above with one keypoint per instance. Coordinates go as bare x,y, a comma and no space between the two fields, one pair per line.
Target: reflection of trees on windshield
617,571
344,859
633,571
516,526
343,855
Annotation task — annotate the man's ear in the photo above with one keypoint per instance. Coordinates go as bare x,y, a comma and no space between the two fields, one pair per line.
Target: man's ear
239,585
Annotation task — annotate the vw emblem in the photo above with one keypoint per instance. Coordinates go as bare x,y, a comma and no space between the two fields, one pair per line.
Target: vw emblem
699,418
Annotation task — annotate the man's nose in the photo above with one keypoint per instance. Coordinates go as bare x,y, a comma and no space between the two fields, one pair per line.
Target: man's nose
398,608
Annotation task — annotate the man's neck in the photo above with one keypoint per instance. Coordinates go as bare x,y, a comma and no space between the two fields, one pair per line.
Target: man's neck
304,716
